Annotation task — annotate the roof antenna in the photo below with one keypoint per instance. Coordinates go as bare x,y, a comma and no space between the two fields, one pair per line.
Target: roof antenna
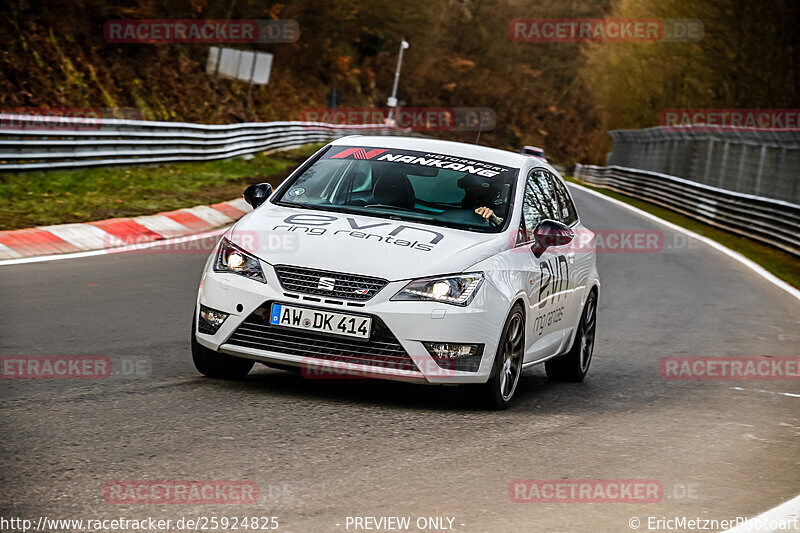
480,128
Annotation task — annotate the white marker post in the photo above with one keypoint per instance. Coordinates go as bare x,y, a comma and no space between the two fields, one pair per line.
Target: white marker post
392,101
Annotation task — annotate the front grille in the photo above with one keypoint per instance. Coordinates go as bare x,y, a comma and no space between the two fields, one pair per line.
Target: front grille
381,350
345,286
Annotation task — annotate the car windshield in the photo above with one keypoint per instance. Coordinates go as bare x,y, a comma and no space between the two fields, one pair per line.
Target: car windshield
420,186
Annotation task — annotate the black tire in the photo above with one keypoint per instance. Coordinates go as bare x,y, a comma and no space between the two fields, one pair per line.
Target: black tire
573,365
498,392
217,365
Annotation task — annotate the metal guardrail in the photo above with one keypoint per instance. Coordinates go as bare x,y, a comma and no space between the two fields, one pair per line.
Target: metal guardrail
774,222
45,142
762,162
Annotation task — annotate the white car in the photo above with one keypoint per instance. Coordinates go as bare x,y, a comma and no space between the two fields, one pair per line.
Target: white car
404,258
534,151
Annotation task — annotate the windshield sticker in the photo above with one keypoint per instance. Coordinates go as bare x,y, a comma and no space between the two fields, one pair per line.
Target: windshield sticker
413,237
426,159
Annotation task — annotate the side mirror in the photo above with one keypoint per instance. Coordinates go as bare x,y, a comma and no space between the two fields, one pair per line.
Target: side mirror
550,233
257,194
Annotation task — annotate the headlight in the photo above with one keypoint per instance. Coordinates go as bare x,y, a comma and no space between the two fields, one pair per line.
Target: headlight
457,290
231,258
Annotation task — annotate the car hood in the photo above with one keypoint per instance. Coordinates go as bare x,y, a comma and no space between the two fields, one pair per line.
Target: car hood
371,246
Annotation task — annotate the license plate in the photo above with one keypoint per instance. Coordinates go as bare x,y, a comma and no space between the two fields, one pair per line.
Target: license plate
323,321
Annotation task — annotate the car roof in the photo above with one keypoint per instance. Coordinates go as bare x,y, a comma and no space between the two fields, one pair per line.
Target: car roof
473,151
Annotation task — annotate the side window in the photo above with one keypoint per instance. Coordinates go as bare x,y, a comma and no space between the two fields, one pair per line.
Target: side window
547,196
535,206
522,234
531,212
568,214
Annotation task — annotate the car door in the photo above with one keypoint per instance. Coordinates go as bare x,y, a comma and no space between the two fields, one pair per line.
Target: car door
580,254
549,273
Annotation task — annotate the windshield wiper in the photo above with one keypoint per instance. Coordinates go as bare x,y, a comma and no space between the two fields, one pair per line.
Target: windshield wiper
292,204
384,206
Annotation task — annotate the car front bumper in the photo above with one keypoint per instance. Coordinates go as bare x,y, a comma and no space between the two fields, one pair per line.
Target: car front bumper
409,322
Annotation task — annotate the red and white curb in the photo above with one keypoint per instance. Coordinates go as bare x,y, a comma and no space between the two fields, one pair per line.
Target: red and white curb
118,232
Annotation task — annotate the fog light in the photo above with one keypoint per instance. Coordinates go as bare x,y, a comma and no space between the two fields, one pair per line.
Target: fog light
445,350
461,357
210,320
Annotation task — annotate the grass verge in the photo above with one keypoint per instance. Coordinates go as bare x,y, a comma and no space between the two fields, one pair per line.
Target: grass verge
83,195
783,265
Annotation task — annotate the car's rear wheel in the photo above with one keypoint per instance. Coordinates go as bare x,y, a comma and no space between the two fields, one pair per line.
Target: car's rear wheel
573,365
498,392
214,364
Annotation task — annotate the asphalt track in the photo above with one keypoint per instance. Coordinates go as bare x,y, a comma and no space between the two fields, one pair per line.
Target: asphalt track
324,450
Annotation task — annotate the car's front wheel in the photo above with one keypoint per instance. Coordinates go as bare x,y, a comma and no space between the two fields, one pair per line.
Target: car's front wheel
214,364
573,365
498,392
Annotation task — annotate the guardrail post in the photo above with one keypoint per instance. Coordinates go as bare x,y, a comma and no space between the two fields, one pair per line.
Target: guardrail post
740,174
708,160
721,172
760,169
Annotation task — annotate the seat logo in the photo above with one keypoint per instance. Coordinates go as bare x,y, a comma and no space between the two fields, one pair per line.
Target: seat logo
326,284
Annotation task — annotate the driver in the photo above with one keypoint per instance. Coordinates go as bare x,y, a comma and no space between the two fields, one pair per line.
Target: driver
477,196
